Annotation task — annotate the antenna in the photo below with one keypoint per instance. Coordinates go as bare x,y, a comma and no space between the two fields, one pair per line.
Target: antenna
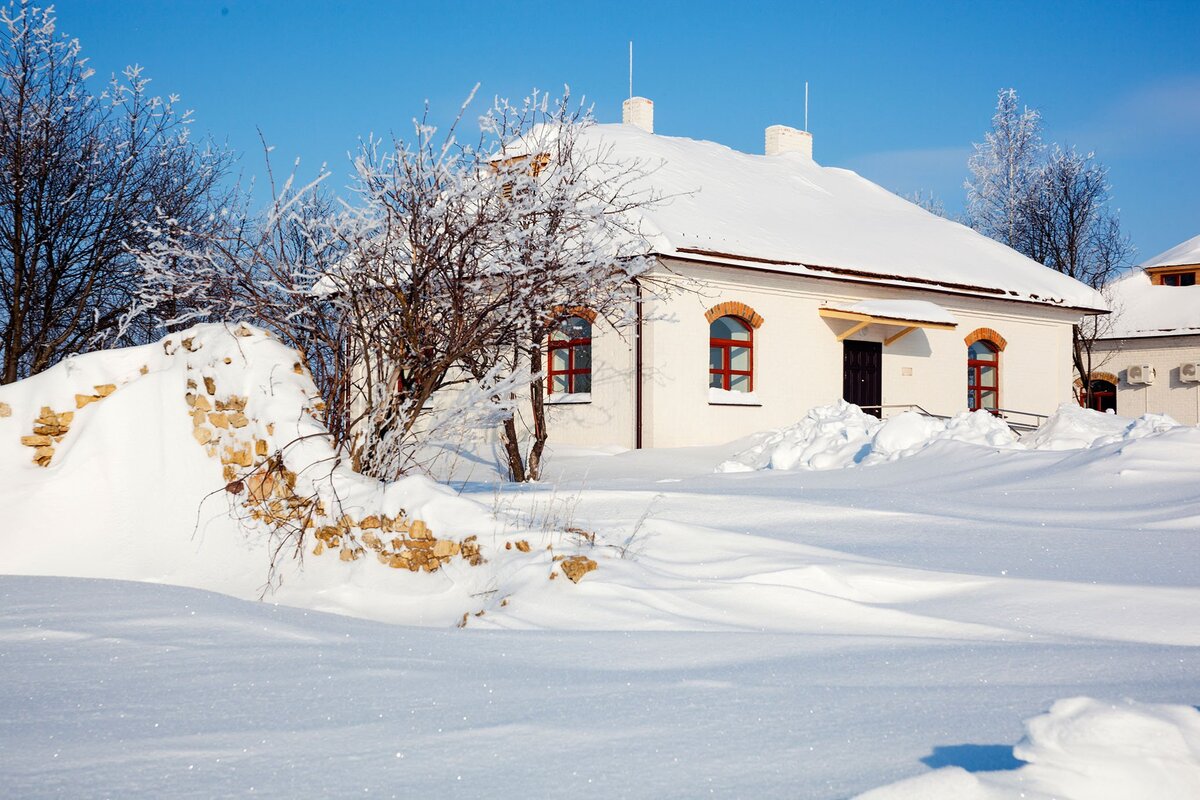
806,106
631,68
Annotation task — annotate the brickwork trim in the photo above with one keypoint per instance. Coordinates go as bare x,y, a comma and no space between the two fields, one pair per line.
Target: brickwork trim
732,308
989,334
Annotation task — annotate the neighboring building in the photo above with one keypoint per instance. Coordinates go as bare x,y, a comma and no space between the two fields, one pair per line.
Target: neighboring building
1148,359
804,284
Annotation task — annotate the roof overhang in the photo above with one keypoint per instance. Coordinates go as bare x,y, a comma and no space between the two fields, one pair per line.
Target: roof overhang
861,320
843,275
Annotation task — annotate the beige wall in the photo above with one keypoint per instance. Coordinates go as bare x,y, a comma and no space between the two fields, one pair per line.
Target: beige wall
798,360
608,419
1168,394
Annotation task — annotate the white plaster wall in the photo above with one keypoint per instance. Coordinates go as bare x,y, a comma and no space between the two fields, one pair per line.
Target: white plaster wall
1168,394
609,418
798,360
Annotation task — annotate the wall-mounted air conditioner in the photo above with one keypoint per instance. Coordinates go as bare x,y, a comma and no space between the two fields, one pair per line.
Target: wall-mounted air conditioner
1140,373
1189,372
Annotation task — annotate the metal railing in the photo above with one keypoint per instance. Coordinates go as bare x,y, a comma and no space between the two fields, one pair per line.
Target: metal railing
1027,420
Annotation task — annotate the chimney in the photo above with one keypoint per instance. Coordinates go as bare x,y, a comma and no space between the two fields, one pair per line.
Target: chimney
638,111
782,139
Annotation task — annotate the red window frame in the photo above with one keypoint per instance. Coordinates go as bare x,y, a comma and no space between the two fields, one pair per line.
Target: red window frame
1093,397
726,370
572,372
975,371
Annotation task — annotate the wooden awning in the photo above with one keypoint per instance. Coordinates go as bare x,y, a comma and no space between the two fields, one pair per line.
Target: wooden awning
905,315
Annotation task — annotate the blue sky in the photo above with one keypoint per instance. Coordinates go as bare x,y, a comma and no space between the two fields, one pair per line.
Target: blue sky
898,90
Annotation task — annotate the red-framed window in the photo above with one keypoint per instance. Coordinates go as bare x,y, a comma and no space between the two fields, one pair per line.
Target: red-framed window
1100,396
570,357
983,376
731,354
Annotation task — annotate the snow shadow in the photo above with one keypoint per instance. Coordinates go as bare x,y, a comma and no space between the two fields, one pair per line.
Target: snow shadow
973,757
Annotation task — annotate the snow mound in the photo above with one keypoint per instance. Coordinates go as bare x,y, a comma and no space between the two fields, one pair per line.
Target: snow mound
1074,428
201,460
1082,749
841,435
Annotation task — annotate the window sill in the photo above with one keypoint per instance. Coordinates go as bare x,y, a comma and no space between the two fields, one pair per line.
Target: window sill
578,399
722,397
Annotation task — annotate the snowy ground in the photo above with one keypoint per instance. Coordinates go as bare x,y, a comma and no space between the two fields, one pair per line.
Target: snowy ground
764,632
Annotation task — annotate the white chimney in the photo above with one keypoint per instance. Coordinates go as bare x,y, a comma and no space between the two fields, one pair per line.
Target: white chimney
638,111
782,139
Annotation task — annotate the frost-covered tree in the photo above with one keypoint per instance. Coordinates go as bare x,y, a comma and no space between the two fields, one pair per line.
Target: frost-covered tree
1053,205
80,173
1003,171
423,299
569,239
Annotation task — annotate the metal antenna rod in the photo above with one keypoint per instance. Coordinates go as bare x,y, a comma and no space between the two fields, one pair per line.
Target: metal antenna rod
631,68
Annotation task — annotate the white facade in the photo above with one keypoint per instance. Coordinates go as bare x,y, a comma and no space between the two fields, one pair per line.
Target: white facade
1169,394
798,359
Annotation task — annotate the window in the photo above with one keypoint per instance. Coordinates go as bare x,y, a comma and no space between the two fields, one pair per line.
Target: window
1100,396
983,376
570,357
1179,279
730,355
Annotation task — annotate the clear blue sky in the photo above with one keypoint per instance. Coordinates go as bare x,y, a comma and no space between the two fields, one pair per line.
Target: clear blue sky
898,90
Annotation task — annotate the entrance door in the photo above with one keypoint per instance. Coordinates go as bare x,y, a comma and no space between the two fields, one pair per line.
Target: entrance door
862,376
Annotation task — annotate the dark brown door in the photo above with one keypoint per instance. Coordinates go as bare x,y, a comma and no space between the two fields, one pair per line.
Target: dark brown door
862,377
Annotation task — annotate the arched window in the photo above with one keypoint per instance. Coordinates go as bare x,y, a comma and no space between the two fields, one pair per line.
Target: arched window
983,376
1100,396
731,354
570,357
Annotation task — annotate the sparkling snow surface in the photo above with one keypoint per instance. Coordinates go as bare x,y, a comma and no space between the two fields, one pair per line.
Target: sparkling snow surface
790,208
765,633
1142,309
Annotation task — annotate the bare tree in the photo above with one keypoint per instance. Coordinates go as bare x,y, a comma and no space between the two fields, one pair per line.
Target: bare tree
81,175
1069,227
1051,205
570,239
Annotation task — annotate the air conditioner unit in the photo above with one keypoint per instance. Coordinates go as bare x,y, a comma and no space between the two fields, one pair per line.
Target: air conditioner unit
1189,372
1140,373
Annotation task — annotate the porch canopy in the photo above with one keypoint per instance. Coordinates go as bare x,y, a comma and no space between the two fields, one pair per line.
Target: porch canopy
908,315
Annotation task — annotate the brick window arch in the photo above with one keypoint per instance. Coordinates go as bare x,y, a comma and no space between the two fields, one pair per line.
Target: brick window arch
732,308
731,354
569,356
989,334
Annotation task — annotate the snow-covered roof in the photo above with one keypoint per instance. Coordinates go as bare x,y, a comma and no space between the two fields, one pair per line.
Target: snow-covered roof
1181,254
786,213
904,310
1142,309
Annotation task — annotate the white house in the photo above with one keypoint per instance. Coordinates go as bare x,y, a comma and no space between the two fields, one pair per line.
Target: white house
805,284
1149,357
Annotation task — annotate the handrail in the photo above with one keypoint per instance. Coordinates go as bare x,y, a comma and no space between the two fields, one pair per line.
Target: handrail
1001,413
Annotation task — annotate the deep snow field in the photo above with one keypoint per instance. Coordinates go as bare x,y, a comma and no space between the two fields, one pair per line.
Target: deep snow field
815,613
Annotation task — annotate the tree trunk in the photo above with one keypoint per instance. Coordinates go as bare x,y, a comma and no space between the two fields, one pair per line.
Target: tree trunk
516,464
537,404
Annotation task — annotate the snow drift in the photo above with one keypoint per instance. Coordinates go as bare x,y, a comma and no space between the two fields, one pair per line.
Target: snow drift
201,460
841,435
1082,749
